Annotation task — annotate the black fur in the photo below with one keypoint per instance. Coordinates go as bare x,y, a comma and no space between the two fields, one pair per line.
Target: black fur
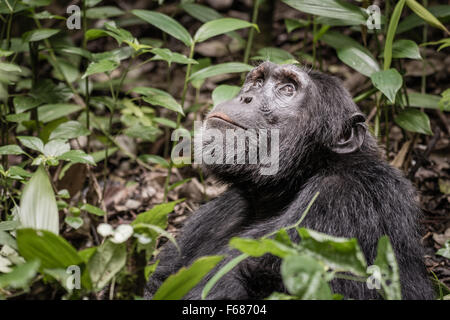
361,195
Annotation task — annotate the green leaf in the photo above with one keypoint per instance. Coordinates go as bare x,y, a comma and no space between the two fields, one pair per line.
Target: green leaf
444,102
385,260
413,20
39,34
166,24
92,209
425,15
38,209
20,276
169,56
56,148
414,120
32,143
74,222
157,215
178,285
428,101
219,274
220,26
275,55
337,40
293,24
405,49
164,101
223,93
304,277
77,156
11,149
445,250
259,247
388,82
200,12
25,103
52,250
9,67
218,69
101,67
104,12
69,130
50,112
7,239
341,254
358,60
393,23
8,225
179,183
331,9
106,262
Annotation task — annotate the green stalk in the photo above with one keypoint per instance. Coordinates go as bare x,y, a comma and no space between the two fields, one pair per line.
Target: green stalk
424,61
183,98
86,81
251,33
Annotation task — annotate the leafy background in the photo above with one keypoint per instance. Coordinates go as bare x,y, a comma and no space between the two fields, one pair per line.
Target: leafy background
87,114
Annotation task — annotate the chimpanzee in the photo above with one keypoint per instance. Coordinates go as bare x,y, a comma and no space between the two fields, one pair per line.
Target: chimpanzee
325,147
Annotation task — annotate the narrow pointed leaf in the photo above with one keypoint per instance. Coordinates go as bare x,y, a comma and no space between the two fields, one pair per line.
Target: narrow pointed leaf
218,69
220,26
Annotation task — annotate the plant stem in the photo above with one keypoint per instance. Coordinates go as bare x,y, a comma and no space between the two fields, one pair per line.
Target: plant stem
251,33
86,81
183,99
423,86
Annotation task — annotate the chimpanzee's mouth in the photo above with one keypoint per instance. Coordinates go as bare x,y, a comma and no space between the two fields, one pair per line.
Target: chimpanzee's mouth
223,117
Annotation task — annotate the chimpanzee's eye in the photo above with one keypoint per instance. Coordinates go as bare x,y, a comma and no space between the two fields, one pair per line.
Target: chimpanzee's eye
258,83
287,89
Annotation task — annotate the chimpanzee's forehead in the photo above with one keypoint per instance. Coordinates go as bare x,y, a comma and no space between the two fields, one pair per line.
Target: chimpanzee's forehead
268,69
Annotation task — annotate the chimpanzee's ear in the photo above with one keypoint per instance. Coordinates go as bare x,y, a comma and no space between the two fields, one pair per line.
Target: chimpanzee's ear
353,138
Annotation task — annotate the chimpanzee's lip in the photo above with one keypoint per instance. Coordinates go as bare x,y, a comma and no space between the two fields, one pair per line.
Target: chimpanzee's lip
222,116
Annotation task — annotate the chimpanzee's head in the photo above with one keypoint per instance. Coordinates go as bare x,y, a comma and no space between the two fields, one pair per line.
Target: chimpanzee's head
303,116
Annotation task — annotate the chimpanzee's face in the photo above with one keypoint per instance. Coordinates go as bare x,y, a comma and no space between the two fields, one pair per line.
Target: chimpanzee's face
270,98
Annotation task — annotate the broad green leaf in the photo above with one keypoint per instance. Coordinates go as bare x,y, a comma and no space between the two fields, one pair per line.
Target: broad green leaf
422,100
332,9
69,130
223,93
166,24
32,143
38,209
20,276
93,34
74,222
445,250
444,102
104,12
405,49
165,122
52,250
169,56
39,34
220,26
50,112
425,15
218,69
358,60
18,171
154,159
77,156
143,132
157,215
304,277
178,285
11,149
200,12
101,67
25,103
56,148
338,40
341,254
386,261
274,55
92,209
106,262
7,239
293,24
9,67
259,247
145,91
388,82
393,23
413,20
414,120
8,225
164,101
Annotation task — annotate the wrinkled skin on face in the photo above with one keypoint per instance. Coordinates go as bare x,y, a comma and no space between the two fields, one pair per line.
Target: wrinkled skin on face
297,104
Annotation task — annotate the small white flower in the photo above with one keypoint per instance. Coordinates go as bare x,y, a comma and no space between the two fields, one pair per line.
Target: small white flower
142,238
105,229
122,233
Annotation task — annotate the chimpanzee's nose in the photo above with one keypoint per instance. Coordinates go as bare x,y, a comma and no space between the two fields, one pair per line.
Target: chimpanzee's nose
245,100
